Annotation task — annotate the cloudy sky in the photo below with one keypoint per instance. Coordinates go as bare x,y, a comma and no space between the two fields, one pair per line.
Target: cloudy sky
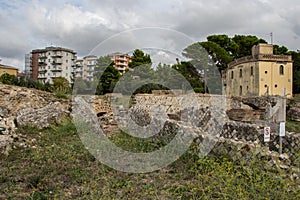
82,25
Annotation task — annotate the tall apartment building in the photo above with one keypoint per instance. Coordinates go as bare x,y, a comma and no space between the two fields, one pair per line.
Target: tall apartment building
78,71
28,61
52,62
260,74
85,68
121,61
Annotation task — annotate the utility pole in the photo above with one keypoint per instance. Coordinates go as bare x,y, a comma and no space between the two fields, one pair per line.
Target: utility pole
282,123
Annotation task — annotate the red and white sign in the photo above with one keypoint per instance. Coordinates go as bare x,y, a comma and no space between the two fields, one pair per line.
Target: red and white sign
267,134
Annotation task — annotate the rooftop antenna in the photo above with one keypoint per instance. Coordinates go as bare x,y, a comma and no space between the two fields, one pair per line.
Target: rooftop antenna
271,35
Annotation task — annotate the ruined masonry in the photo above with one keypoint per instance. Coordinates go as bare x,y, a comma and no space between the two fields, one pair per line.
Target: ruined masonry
238,123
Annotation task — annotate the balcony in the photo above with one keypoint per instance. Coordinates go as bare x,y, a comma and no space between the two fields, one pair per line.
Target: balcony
42,62
121,59
90,70
91,64
57,55
78,71
42,70
42,77
121,63
57,61
55,75
121,68
43,56
56,69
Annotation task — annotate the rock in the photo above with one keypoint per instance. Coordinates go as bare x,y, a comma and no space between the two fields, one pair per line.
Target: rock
294,114
31,107
54,113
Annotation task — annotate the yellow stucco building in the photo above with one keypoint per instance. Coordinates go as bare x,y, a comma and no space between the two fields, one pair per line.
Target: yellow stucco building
9,70
260,74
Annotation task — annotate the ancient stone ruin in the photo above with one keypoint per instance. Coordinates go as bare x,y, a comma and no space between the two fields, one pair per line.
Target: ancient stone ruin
237,123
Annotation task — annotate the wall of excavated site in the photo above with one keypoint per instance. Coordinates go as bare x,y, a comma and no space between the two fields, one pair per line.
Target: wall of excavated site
243,119
21,106
243,122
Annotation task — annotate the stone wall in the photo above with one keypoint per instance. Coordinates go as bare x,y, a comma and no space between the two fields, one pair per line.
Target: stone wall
23,106
244,123
242,126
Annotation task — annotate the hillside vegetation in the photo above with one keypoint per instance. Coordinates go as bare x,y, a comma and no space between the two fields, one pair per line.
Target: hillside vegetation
59,167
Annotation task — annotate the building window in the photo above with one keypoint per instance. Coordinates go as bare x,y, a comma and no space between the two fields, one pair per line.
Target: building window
276,86
67,61
232,75
241,90
266,86
241,73
252,72
266,72
281,70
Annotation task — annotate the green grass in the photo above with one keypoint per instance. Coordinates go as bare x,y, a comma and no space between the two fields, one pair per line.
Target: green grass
61,168
292,126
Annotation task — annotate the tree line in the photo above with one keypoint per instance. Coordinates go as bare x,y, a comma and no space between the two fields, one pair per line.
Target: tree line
218,50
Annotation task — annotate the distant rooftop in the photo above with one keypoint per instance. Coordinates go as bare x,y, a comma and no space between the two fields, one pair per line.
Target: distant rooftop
53,49
8,67
261,52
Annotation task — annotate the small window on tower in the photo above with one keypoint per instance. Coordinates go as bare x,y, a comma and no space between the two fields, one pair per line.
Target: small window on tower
241,73
232,75
252,71
281,70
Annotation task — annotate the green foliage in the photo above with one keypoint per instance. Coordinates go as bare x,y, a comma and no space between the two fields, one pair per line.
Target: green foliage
105,76
108,80
296,71
219,55
280,50
245,44
8,79
225,42
224,49
61,87
292,126
139,58
191,74
22,82
102,63
80,86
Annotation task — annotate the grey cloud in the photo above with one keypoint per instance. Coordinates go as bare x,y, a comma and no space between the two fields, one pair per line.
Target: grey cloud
81,25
